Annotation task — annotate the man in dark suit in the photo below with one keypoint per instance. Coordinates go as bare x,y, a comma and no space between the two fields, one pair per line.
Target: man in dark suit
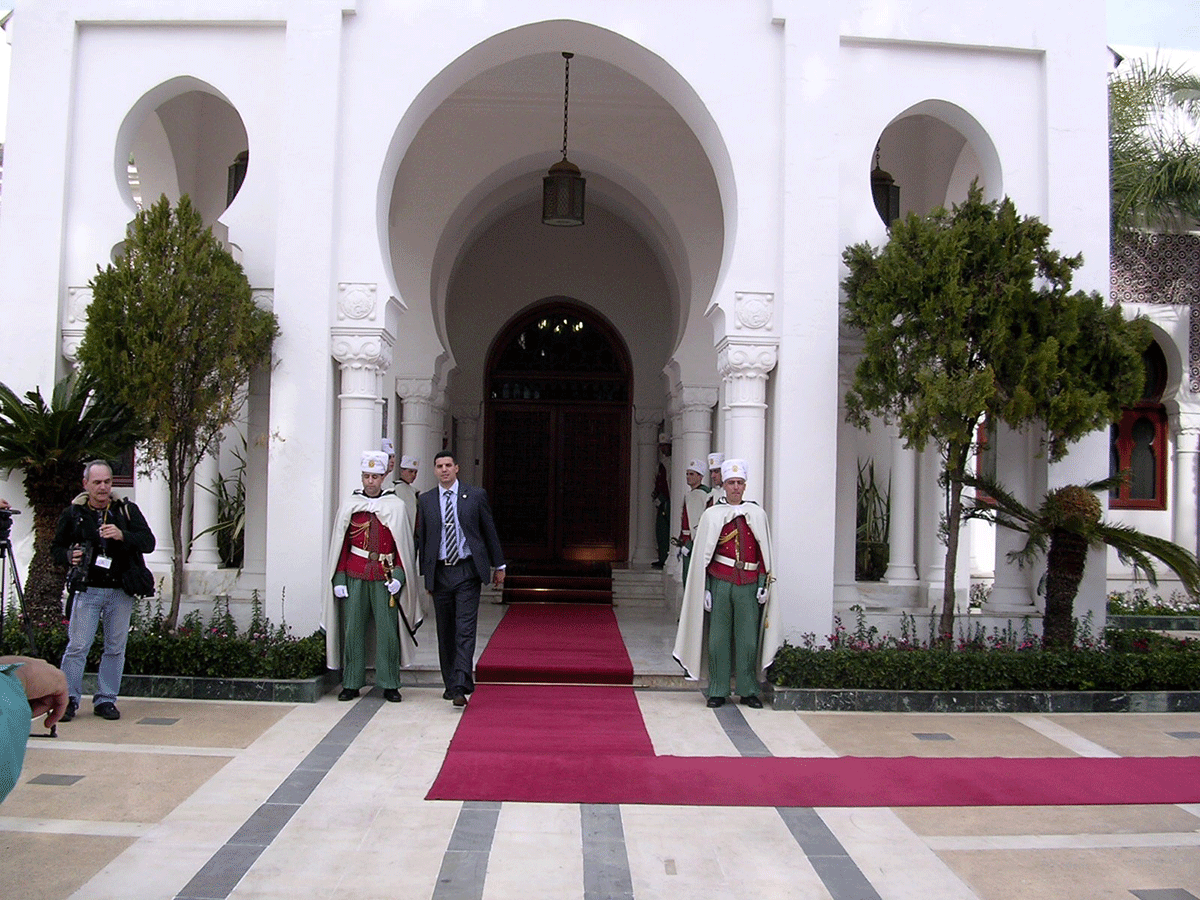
459,549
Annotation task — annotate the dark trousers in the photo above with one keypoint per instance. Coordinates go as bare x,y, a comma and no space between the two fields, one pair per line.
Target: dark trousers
456,608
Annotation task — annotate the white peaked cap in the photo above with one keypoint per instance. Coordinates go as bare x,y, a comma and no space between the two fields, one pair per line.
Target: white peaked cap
733,468
374,461
715,460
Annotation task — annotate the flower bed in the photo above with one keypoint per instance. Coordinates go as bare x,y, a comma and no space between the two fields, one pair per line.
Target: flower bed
1003,670
212,660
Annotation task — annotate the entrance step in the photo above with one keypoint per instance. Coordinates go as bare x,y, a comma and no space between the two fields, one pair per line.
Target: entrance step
639,587
526,584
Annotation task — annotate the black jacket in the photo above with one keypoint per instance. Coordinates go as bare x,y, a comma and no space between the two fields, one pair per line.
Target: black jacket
79,523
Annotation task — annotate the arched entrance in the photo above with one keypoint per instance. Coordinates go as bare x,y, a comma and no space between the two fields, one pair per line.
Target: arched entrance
557,414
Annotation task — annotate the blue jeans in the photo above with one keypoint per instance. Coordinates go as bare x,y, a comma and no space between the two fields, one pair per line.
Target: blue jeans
111,607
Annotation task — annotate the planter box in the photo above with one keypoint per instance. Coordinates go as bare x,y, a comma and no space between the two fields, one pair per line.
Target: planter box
821,699
182,687
1157,623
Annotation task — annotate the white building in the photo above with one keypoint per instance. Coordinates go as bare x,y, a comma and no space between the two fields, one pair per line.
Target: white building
390,215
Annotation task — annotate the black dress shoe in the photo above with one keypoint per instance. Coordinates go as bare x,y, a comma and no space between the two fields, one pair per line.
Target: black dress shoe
107,710
391,695
752,701
348,694
447,694
69,713
714,702
460,699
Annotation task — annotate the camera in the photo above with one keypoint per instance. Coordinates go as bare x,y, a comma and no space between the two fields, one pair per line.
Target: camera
6,522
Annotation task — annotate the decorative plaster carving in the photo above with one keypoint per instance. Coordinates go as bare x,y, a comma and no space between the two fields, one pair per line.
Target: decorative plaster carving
78,301
356,300
753,310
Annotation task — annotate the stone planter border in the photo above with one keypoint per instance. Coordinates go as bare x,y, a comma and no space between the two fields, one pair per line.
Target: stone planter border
1157,623
833,699
183,687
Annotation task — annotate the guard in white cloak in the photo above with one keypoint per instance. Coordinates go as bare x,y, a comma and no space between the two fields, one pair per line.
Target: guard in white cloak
373,577
714,471
694,502
726,619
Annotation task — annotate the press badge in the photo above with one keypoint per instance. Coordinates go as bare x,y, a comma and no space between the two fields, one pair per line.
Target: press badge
104,562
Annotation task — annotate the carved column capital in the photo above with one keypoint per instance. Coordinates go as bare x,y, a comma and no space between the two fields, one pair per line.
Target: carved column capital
414,389
692,396
744,366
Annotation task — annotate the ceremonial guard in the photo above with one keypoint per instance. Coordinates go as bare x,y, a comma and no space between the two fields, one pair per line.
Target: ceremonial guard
371,566
694,502
714,474
729,578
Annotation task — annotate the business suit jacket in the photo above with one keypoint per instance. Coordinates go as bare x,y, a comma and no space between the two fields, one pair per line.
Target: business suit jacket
475,519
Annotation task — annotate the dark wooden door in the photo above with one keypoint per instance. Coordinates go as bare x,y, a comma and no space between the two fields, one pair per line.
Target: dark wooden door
559,480
557,436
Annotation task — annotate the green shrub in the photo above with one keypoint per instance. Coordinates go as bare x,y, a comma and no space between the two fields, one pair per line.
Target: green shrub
1004,660
196,649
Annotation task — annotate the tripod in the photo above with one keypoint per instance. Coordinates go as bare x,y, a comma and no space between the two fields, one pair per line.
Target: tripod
6,558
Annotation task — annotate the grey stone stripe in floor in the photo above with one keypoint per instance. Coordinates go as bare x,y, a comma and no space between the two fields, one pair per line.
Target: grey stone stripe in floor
606,874
464,865
220,875
840,874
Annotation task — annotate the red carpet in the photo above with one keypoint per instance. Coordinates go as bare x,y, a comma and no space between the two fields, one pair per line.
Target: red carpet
556,643
578,744
583,742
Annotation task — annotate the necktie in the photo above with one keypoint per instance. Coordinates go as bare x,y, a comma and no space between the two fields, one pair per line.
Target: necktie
450,529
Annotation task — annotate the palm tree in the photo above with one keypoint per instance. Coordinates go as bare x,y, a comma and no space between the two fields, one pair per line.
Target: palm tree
1064,526
50,444
1154,147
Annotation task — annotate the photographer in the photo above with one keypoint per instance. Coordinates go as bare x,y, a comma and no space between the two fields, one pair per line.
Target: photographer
103,538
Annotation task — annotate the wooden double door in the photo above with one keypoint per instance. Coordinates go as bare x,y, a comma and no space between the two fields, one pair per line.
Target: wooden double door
559,481
557,433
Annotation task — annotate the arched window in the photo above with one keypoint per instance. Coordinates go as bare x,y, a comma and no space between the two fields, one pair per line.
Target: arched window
1139,442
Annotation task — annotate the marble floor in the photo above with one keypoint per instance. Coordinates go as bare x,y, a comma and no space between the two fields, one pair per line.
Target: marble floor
207,799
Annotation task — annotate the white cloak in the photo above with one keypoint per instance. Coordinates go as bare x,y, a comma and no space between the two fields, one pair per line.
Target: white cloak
393,515
691,646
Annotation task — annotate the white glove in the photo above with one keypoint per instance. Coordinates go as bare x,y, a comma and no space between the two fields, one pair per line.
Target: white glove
339,591
708,601
762,596
395,584
684,551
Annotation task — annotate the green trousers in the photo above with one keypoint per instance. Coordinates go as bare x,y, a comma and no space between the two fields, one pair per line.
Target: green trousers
369,600
733,637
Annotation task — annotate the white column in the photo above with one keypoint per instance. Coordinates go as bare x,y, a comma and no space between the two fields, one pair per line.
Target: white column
645,551
154,500
361,352
204,512
931,508
440,425
415,415
902,554
744,366
693,439
258,440
1183,500
1011,593
466,419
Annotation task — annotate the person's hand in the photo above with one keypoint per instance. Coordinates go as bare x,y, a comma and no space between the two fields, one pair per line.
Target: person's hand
708,601
393,586
684,551
4,504
76,555
111,532
45,686
498,578
339,591
762,596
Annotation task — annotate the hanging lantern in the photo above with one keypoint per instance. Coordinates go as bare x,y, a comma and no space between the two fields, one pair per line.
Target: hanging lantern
562,186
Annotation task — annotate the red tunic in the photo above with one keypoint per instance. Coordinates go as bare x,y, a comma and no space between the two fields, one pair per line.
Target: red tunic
367,533
737,558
